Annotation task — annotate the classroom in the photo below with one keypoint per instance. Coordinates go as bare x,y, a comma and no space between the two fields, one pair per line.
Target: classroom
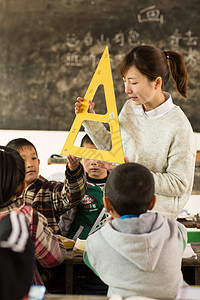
122,57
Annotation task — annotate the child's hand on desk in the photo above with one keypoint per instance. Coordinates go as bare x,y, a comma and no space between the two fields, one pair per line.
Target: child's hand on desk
79,103
73,161
110,166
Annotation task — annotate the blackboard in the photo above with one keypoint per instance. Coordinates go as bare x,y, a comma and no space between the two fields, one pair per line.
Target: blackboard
49,50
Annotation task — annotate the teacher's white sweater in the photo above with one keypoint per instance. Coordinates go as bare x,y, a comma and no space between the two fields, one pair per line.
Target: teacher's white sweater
166,145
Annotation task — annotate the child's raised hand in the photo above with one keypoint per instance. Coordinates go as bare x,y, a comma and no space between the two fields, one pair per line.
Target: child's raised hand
126,159
79,103
73,161
106,165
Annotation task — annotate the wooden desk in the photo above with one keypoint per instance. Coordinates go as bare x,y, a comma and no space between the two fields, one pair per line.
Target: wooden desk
74,297
76,258
194,223
194,263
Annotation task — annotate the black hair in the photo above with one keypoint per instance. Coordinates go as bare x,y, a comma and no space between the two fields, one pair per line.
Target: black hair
12,174
19,143
130,188
86,140
153,62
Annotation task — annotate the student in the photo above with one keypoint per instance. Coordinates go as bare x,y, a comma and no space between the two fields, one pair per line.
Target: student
50,198
78,222
154,131
16,257
49,250
138,252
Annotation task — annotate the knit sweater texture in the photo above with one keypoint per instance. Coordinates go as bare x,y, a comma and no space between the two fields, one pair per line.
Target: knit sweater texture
166,145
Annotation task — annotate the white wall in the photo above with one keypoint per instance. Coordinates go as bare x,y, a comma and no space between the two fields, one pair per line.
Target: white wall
198,140
52,142
46,143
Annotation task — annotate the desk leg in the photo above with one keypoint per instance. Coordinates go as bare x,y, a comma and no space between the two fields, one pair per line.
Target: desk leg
69,279
197,276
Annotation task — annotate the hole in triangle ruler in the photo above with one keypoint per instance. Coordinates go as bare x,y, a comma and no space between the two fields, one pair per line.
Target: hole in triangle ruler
79,139
100,100
102,76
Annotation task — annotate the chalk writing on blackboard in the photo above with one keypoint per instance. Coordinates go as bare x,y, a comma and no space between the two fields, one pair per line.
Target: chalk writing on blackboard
150,14
190,40
190,57
131,38
56,46
175,38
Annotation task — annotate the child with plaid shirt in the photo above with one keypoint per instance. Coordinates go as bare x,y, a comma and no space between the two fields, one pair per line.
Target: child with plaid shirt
50,198
49,250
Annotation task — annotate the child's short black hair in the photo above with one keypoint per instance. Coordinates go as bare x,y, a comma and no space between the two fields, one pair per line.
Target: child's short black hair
12,173
19,143
86,140
130,189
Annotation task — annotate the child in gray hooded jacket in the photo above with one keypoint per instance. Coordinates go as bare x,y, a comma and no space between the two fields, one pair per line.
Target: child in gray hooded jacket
137,252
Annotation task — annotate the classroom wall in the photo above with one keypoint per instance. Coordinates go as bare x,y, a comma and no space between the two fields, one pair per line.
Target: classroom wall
52,142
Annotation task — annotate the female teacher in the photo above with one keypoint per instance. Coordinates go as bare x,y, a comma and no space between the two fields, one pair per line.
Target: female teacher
155,132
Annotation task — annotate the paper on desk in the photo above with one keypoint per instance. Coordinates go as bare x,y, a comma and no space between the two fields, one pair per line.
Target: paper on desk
118,297
189,292
80,244
185,214
189,252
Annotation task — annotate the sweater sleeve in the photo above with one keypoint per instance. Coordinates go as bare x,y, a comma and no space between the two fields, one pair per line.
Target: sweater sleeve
49,250
69,194
98,134
66,220
177,178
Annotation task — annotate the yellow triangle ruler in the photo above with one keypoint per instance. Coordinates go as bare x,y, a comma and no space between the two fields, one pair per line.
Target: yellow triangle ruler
102,76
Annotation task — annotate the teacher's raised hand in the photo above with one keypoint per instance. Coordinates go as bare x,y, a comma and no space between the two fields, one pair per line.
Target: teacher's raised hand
79,103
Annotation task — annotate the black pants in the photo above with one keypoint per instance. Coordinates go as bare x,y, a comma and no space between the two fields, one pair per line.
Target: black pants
87,283
54,278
